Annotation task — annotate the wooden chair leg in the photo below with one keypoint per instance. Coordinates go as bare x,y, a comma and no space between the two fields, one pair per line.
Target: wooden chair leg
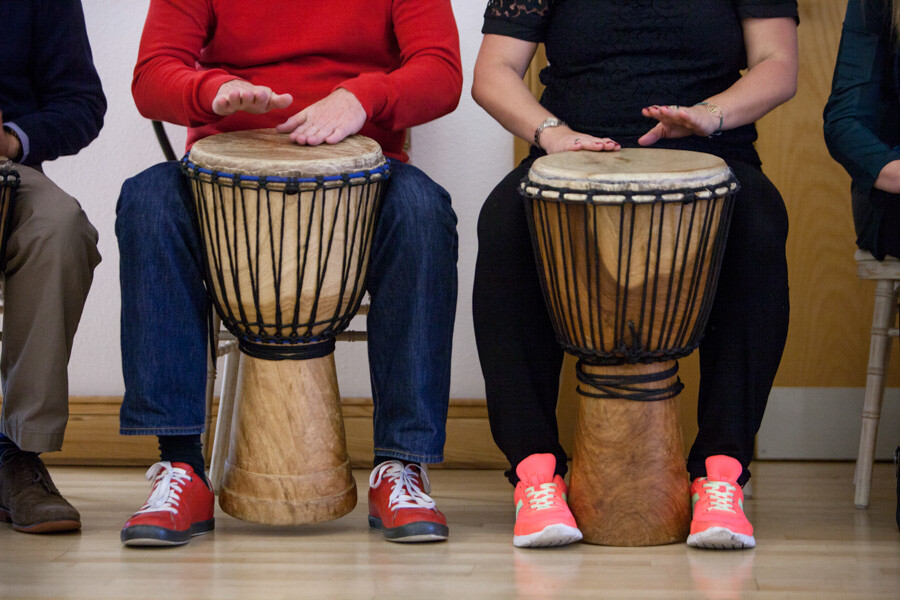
879,352
210,387
227,401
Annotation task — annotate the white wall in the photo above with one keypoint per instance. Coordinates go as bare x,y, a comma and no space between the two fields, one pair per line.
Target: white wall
466,152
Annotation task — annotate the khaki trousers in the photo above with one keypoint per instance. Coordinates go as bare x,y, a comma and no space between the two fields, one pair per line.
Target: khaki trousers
50,258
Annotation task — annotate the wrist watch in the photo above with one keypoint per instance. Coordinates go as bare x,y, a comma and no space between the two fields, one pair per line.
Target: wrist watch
550,122
13,133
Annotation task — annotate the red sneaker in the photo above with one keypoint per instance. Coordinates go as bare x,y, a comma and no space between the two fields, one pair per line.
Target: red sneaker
399,504
180,505
719,520
543,517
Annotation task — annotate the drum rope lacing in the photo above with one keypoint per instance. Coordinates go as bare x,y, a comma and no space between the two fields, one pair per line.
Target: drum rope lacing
9,183
627,387
586,300
298,339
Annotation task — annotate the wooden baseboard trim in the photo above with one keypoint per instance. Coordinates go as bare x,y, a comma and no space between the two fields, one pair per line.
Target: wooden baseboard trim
92,436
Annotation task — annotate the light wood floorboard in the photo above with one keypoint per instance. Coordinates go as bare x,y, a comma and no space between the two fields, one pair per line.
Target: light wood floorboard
812,543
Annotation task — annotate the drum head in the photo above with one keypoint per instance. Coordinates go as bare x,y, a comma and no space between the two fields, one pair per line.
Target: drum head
630,170
265,152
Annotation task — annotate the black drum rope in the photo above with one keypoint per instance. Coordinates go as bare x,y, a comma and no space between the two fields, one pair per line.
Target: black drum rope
627,387
280,340
9,183
645,337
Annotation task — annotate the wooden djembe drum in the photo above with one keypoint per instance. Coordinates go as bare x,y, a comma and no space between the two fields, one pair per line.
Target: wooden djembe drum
628,246
287,231
9,182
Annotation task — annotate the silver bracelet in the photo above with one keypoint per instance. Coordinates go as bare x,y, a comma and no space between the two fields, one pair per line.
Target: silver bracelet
550,122
715,111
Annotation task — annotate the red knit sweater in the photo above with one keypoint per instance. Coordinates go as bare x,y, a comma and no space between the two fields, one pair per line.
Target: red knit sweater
400,58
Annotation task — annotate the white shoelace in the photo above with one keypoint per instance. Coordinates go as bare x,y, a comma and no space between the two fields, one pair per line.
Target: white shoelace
405,492
166,491
721,494
542,496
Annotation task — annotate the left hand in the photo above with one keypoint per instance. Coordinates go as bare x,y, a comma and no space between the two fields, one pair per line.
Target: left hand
677,122
329,120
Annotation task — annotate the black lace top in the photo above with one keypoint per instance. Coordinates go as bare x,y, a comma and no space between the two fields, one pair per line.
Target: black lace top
610,58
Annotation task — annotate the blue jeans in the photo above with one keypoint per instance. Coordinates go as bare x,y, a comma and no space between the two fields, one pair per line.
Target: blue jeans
412,282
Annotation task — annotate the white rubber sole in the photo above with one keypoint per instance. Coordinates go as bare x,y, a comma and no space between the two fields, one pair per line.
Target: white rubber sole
721,538
552,535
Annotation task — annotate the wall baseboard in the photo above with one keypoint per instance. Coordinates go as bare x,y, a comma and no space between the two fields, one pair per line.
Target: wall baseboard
92,435
800,424
824,424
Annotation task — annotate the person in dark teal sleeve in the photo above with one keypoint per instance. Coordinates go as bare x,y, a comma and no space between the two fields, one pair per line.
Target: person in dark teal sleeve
862,125
862,121
51,105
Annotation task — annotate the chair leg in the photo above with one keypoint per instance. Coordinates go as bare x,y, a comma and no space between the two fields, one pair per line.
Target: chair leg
879,352
210,387
227,401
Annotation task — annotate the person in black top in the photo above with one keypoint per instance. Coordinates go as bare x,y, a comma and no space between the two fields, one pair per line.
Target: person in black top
622,74
51,104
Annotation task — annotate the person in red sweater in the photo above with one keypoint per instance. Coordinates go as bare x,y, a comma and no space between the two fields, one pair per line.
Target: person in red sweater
319,72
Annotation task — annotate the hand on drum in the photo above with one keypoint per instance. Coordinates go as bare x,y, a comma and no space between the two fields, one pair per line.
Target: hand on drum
237,95
329,120
563,139
677,122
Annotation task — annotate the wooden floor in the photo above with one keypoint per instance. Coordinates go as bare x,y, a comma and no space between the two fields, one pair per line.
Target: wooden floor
812,543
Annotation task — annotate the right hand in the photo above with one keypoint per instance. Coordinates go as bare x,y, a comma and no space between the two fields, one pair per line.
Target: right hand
564,139
237,95
9,144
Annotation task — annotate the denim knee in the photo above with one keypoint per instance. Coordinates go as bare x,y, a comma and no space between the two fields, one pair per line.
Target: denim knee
418,209
152,203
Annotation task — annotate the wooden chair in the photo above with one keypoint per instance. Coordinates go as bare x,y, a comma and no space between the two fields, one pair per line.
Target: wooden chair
226,345
886,274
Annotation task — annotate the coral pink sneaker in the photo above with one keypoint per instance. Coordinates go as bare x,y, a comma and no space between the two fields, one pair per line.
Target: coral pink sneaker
180,506
399,504
542,516
719,520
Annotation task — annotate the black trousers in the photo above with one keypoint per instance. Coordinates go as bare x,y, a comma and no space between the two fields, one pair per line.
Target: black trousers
739,355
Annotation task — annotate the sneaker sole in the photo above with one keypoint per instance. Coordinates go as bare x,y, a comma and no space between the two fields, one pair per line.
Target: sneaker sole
552,535
721,538
45,527
152,535
420,531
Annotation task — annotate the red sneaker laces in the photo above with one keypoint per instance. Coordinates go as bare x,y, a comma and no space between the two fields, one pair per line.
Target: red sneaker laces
406,492
166,488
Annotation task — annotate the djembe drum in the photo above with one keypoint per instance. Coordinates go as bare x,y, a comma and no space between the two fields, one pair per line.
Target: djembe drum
9,182
628,246
287,231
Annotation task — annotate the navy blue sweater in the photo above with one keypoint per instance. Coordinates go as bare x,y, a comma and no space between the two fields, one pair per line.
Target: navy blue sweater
49,88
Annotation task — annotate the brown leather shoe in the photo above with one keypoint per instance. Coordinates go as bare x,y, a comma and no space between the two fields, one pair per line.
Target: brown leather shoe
29,500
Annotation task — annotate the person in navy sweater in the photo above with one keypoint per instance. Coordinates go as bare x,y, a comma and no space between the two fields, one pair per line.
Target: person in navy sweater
51,105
